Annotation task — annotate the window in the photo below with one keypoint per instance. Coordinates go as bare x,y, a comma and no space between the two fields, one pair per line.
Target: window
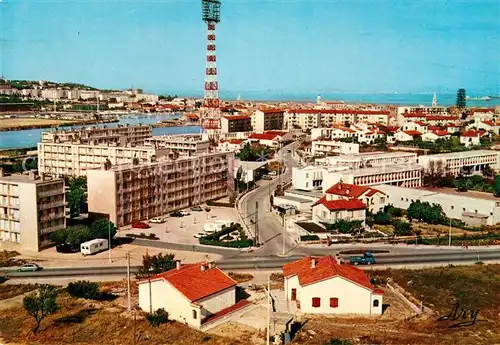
334,302
316,302
452,207
375,303
195,314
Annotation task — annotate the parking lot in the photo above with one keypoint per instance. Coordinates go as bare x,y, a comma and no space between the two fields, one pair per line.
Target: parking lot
183,229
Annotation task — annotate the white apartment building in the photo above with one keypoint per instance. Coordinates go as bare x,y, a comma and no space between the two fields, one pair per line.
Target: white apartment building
52,94
128,193
134,135
30,209
326,147
368,159
405,175
473,208
463,162
268,120
182,143
67,159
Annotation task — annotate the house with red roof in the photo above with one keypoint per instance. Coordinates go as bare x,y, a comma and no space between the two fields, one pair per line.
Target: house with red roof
418,126
231,145
270,138
373,198
487,125
408,135
436,134
323,286
191,293
330,211
472,137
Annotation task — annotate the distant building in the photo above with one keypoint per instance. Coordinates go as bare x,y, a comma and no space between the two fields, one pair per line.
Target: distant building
270,138
374,199
326,147
472,137
236,123
31,208
323,286
463,162
268,120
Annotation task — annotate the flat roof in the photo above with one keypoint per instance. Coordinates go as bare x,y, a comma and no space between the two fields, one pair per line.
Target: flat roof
27,179
384,169
463,154
250,165
444,191
312,194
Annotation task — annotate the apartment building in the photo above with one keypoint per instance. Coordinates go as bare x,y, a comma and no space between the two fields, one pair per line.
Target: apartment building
183,143
236,123
368,159
310,177
465,162
30,209
130,193
68,159
133,135
315,118
268,120
329,147
404,175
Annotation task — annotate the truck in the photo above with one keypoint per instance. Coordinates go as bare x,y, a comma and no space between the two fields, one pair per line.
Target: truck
366,259
94,246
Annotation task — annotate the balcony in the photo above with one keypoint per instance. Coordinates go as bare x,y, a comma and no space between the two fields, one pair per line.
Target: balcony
47,205
50,193
50,229
51,216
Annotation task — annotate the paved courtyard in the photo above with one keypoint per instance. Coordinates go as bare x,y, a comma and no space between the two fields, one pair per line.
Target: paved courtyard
183,229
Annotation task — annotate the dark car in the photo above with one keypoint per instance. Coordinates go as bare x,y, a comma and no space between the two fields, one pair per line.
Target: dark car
196,209
140,225
176,214
66,248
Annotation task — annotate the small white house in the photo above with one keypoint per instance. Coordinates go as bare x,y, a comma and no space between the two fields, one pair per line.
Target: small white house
323,286
189,293
332,211
472,137
407,135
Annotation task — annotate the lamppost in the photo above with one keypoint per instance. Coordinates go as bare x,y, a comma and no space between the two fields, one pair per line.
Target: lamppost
449,235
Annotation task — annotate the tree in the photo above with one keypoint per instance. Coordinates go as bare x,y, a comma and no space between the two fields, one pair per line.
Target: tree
401,228
84,289
102,228
77,235
461,99
423,211
41,303
76,200
59,236
246,154
382,218
156,264
497,186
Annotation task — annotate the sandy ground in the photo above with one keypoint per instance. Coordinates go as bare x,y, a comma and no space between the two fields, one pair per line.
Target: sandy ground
182,229
51,258
20,122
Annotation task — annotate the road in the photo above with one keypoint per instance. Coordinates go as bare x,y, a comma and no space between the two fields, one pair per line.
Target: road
272,262
270,228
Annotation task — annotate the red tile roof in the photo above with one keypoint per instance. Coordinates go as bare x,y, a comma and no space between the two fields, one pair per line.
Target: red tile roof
434,128
412,133
237,117
420,123
271,110
194,283
350,190
263,136
341,205
471,133
339,111
489,122
326,267
441,118
233,141
441,133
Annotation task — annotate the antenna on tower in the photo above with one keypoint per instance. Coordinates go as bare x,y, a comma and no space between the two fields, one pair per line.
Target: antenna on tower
210,113
434,100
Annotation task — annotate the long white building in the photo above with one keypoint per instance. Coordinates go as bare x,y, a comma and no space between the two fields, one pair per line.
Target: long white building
326,147
368,159
473,208
463,162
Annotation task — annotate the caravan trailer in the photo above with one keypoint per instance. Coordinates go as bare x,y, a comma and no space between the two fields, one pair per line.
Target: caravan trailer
94,246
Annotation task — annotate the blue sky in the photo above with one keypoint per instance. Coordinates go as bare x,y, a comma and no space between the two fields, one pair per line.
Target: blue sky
272,45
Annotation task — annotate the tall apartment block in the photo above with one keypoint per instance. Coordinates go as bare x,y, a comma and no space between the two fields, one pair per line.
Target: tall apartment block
122,135
268,120
130,193
30,209
69,159
183,144
236,123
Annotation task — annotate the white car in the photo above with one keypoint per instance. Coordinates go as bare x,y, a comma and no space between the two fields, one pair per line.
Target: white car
200,235
157,220
185,213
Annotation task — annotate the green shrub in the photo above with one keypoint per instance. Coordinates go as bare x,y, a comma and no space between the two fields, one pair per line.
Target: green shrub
84,289
309,238
157,318
233,244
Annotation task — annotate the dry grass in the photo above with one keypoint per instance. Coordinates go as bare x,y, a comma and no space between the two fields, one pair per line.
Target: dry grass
88,322
8,291
7,259
29,122
240,277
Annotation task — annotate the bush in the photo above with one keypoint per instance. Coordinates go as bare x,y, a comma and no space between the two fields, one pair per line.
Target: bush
309,238
402,228
234,244
157,318
84,289
382,218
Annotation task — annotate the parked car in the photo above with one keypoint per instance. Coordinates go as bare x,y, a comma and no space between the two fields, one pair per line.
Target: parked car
267,177
366,259
140,225
185,213
66,248
157,220
176,214
29,268
199,235
196,209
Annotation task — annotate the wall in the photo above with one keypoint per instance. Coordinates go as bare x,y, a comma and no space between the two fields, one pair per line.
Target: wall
332,217
101,195
353,299
28,216
218,301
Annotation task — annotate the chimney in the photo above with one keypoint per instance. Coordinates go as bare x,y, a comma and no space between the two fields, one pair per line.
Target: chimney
202,267
178,264
211,265
313,262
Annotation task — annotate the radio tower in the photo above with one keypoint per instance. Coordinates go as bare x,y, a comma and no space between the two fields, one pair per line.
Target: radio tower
210,112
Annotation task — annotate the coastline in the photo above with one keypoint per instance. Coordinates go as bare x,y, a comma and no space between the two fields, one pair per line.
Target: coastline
71,123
